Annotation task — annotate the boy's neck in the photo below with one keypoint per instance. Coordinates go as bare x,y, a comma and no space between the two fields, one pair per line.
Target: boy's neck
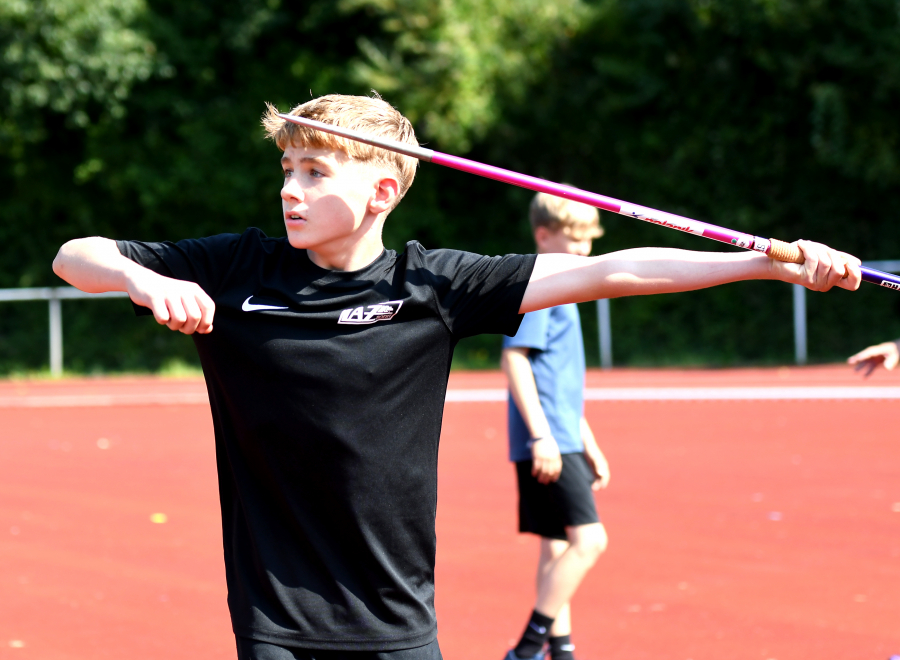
348,254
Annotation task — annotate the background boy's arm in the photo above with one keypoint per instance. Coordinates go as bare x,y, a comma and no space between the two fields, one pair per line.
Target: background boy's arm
594,456
547,463
95,265
559,279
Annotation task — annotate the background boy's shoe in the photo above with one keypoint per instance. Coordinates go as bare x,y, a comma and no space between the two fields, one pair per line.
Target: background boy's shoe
512,655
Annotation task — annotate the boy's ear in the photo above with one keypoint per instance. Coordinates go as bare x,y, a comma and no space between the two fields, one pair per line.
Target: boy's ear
387,189
540,235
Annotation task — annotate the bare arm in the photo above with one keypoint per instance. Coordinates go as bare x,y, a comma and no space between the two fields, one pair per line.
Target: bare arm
547,463
559,279
594,456
95,265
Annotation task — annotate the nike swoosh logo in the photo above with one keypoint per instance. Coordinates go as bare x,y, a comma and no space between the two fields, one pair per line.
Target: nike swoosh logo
249,307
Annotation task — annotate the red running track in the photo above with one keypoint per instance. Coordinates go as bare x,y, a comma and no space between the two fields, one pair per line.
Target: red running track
738,529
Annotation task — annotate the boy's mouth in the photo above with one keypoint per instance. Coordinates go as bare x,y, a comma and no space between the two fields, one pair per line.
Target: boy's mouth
295,217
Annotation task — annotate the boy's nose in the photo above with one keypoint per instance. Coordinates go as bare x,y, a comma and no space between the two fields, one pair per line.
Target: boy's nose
291,190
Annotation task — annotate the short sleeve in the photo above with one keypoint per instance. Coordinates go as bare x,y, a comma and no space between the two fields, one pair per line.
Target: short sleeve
533,332
201,260
477,294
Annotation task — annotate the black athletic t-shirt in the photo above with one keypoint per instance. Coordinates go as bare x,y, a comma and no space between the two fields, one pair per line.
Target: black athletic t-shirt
327,390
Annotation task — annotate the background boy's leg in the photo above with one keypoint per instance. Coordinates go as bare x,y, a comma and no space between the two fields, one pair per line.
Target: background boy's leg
563,574
560,641
551,550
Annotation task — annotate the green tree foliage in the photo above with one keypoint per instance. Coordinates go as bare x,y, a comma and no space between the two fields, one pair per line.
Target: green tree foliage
777,117
75,57
451,60
184,156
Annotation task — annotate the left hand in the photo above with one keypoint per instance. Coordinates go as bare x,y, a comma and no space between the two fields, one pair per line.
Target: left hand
823,268
599,466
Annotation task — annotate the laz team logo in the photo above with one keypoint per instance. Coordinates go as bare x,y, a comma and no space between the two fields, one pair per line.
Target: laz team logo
371,313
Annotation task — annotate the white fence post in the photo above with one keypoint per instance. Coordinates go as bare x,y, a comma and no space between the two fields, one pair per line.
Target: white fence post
800,353
604,330
800,334
56,339
54,295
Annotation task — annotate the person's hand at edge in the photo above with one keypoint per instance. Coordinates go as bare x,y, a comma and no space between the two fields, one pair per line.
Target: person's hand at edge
868,359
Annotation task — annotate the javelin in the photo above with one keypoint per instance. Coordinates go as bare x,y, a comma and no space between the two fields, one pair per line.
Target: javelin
773,248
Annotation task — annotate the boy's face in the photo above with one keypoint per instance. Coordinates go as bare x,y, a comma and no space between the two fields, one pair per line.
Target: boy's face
559,241
328,198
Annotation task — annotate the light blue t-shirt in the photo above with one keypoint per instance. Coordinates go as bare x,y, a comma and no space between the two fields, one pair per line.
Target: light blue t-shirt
557,360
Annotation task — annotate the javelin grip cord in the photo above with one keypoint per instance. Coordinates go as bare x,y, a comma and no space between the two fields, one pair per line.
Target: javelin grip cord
773,248
787,252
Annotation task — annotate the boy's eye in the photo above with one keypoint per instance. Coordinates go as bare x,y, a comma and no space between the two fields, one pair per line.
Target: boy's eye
287,173
316,174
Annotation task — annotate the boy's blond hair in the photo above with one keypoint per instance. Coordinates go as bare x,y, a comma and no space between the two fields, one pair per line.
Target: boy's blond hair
577,220
361,113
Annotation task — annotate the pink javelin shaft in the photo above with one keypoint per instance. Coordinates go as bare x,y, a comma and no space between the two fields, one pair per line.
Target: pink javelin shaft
772,247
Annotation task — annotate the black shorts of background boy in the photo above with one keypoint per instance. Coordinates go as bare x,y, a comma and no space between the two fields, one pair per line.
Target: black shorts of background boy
326,358
544,364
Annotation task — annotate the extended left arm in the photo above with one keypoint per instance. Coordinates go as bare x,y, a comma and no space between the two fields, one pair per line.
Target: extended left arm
559,279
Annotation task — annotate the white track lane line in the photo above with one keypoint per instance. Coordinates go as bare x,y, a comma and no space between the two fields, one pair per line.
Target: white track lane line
492,395
702,394
103,400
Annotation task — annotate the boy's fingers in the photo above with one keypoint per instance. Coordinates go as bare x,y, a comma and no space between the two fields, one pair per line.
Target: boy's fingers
556,473
825,268
192,310
546,473
546,470
852,274
871,365
537,470
160,311
867,354
177,315
208,310
849,276
810,266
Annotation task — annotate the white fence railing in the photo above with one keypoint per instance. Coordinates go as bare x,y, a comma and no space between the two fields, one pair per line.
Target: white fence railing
54,295
799,295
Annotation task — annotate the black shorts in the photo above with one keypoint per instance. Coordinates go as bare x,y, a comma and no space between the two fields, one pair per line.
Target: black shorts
547,509
251,649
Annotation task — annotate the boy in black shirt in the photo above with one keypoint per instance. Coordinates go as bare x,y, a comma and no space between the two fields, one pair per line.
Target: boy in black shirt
327,371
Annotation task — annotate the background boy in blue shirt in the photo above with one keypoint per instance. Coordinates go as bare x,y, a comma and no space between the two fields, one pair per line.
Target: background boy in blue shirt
558,462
